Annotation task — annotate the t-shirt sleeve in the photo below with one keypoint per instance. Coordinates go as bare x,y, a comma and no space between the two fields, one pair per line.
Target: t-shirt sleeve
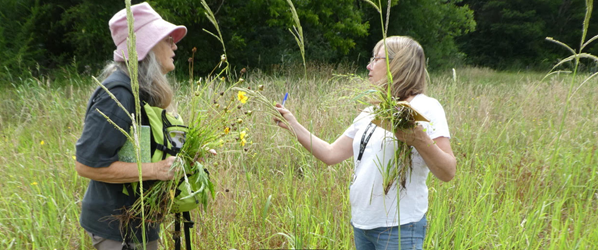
438,125
100,140
364,117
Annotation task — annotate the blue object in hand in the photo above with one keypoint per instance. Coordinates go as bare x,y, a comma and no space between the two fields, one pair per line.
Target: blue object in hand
285,98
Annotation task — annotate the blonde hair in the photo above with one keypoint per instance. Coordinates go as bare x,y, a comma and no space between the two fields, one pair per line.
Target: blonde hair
153,85
407,64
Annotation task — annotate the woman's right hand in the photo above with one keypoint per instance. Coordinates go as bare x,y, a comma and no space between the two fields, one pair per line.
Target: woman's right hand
286,114
328,153
163,169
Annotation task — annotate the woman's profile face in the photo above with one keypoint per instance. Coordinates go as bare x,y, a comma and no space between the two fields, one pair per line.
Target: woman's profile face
164,52
377,67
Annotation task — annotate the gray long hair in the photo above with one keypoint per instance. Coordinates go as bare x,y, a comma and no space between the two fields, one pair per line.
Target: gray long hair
152,83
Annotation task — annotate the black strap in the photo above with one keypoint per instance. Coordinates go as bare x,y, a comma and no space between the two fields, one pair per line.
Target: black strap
172,151
177,231
164,133
188,225
364,140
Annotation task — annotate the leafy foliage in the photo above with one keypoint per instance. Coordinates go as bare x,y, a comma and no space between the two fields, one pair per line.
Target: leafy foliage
511,34
20,46
58,32
434,24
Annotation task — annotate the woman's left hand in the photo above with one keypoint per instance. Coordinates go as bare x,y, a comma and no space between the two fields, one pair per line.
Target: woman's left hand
413,137
437,153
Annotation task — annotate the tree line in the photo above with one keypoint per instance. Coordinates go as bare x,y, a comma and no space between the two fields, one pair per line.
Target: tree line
39,37
511,34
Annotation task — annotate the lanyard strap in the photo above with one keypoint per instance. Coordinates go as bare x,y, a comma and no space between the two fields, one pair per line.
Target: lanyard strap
364,140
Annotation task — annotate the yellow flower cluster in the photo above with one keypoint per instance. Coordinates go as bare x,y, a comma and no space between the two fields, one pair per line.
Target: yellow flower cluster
242,137
242,96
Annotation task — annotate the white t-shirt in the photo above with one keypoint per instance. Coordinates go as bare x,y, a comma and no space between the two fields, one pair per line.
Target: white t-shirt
370,208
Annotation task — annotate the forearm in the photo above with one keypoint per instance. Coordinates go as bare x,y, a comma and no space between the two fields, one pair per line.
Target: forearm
117,172
316,146
438,157
330,154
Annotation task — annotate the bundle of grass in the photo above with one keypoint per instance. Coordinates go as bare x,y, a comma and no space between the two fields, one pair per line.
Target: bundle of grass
394,115
216,113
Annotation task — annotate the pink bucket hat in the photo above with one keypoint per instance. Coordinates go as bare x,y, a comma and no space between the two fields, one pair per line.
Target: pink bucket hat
149,28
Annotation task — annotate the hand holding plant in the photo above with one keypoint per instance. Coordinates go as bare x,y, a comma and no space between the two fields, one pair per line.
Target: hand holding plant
399,118
287,117
394,115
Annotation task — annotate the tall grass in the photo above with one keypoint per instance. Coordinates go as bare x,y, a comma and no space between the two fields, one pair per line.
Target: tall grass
575,57
297,32
507,193
536,200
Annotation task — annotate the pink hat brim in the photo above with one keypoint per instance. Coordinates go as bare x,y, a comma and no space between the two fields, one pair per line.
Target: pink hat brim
148,36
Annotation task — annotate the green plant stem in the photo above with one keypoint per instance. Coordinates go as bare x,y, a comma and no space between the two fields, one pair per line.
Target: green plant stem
298,34
589,8
132,64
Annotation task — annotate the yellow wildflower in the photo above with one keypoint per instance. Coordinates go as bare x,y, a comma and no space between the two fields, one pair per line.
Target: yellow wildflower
226,130
42,142
242,96
34,183
243,141
242,134
74,157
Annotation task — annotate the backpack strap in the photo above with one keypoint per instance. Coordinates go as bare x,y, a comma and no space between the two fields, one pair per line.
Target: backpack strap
188,225
170,151
176,235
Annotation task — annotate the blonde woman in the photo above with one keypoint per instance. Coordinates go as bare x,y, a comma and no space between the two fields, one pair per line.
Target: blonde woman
374,214
100,141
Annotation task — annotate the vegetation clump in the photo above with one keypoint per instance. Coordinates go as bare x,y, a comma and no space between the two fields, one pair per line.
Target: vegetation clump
394,115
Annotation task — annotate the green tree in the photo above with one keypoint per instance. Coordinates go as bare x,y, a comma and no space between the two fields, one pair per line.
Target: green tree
256,31
20,47
55,33
511,34
87,31
433,23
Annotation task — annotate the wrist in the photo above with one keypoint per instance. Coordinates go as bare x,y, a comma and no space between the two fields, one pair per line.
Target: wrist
151,171
423,142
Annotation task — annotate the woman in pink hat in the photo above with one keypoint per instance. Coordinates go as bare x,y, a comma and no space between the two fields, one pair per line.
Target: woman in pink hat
97,148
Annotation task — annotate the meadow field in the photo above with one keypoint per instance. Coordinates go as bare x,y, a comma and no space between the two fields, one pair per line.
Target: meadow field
527,173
